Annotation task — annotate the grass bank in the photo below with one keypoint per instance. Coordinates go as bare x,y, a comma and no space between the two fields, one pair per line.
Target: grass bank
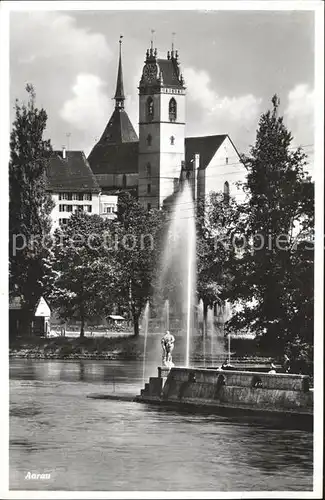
77,348
122,347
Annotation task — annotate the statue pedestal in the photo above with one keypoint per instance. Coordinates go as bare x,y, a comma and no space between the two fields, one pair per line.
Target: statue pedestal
163,371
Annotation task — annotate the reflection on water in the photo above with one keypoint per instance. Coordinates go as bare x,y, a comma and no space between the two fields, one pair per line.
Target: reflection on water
89,444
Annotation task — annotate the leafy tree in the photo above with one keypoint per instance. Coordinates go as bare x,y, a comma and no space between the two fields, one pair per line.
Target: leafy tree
216,225
274,275
137,243
29,204
83,271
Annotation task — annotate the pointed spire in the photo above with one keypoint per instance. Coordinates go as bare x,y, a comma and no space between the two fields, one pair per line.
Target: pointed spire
119,94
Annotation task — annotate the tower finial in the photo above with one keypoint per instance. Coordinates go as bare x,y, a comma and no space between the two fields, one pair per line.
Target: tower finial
151,42
173,41
119,94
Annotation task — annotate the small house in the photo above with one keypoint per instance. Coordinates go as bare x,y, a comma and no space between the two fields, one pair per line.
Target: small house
41,317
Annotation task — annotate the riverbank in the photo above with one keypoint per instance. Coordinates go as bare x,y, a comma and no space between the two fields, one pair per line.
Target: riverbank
128,347
119,347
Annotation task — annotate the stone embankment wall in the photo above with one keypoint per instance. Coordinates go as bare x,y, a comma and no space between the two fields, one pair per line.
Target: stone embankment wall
233,389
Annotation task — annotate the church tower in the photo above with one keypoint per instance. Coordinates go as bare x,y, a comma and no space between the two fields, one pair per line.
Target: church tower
161,128
114,159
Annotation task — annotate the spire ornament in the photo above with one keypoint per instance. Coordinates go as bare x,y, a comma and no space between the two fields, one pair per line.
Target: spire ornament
119,94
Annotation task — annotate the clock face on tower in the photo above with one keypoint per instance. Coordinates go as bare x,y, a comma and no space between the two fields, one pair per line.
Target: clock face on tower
150,72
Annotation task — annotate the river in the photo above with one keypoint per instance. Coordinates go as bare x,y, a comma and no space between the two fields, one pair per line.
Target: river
89,444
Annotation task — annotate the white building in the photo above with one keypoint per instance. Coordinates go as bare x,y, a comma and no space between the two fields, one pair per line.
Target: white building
74,188
108,206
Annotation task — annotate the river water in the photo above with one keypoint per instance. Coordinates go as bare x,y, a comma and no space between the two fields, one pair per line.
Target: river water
91,444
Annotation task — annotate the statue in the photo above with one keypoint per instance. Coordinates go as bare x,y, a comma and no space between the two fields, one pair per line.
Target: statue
167,344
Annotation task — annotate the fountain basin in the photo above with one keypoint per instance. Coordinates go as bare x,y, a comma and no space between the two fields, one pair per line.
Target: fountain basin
264,393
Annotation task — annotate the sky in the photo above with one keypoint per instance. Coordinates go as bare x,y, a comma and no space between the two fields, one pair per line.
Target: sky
232,61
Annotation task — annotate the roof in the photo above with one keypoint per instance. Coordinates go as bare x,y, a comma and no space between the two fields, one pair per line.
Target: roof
206,147
73,173
170,72
119,129
114,158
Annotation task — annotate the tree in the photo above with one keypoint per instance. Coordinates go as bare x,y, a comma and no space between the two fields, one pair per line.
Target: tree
274,275
216,224
137,237
84,279
29,204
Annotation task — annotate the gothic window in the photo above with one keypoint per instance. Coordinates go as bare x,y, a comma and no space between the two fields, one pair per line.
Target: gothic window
172,140
149,139
124,181
148,169
172,110
150,109
226,191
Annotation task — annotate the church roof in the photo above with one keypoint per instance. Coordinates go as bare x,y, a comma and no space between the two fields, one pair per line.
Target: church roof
206,147
108,158
117,149
170,72
119,129
70,174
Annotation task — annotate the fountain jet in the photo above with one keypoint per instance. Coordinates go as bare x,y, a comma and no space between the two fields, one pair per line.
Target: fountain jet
144,328
179,263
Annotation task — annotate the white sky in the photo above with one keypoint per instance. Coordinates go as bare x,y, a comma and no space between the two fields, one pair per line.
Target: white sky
232,61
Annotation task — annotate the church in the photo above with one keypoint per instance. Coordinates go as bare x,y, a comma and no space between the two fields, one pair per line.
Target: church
153,165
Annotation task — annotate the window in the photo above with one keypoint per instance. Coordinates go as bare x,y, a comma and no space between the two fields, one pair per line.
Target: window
172,140
149,139
227,160
226,191
88,196
81,197
149,188
88,207
150,109
109,209
78,208
65,208
172,110
148,169
63,222
65,196
75,196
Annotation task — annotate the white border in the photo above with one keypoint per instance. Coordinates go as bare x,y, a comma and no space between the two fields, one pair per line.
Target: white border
318,8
